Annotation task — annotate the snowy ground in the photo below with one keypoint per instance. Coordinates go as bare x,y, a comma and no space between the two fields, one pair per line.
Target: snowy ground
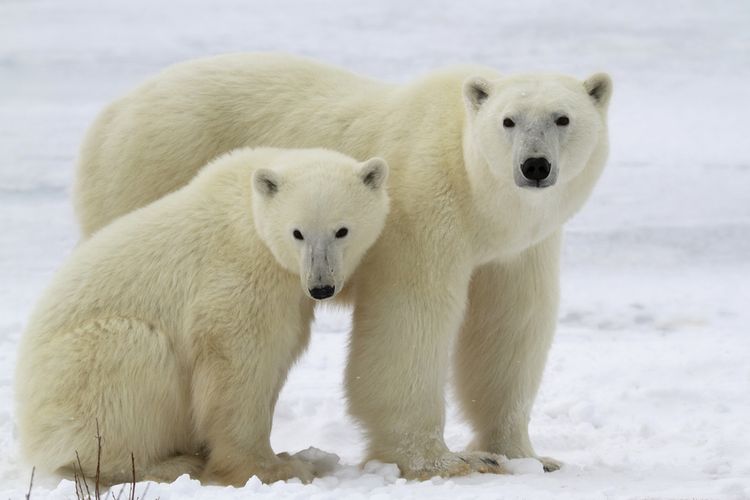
646,393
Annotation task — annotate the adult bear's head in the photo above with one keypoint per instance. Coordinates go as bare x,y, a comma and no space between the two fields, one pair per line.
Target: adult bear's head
540,131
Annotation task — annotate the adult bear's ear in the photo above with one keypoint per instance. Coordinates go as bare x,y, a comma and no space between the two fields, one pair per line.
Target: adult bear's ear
599,87
266,182
476,90
373,173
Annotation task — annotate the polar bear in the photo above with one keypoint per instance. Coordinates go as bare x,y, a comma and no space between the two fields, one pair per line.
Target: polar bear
485,170
173,329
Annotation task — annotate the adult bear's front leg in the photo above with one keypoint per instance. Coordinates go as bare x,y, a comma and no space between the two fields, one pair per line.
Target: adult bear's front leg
503,345
405,319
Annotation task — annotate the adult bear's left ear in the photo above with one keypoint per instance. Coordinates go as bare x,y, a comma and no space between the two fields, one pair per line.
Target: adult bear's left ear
476,90
599,87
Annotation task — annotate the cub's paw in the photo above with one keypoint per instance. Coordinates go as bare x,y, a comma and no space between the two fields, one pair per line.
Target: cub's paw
550,464
270,471
287,468
322,462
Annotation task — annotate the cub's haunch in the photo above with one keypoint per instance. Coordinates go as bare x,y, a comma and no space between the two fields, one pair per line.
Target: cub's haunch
175,326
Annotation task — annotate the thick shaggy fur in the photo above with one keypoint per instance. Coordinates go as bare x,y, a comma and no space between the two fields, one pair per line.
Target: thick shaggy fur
174,327
467,247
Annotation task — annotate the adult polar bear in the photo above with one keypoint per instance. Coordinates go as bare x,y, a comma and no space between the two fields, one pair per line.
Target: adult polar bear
485,170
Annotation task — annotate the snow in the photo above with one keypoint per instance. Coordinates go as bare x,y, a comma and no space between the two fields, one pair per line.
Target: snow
646,389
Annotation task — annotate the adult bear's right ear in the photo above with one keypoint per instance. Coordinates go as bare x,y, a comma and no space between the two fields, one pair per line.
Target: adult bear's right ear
476,90
266,182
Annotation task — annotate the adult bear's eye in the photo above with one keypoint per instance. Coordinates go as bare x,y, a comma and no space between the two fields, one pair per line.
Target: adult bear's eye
297,235
562,121
342,232
508,123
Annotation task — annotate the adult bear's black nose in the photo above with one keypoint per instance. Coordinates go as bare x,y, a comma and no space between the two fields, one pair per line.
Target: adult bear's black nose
322,292
536,169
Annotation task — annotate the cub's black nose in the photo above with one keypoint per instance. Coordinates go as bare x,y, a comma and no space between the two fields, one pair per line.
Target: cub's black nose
536,169
322,292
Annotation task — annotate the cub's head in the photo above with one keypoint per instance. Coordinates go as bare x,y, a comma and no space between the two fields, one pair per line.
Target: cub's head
538,130
318,212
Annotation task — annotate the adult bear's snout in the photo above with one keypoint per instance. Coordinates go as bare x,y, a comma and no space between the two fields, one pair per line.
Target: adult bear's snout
536,169
322,292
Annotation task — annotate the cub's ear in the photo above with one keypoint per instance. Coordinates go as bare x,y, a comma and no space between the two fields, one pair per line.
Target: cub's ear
373,173
476,90
266,182
599,87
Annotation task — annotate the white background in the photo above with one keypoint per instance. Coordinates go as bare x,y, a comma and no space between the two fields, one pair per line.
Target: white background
646,392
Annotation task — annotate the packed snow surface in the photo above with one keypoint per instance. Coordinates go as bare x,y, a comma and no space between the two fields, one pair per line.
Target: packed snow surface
647,388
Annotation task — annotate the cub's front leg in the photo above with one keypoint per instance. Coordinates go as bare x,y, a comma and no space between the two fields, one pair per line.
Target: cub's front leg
240,366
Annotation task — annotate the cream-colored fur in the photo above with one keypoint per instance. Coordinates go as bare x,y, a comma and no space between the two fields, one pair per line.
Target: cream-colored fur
174,327
470,244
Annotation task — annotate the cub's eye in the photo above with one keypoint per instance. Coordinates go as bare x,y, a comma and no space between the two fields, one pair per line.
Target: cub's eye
508,123
342,232
562,121
297,235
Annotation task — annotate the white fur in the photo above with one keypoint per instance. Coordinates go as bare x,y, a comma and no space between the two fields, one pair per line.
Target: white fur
466,248
174,327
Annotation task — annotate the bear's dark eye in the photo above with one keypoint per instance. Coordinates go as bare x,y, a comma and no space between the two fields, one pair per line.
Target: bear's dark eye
297,235
342,232
508,123
562,121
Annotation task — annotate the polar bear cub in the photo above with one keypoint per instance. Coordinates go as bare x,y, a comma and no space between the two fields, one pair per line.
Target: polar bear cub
174,327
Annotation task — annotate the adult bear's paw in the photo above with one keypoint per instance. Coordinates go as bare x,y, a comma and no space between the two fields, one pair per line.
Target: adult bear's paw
454,464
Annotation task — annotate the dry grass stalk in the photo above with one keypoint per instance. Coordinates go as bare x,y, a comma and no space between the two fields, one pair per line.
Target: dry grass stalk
31,483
